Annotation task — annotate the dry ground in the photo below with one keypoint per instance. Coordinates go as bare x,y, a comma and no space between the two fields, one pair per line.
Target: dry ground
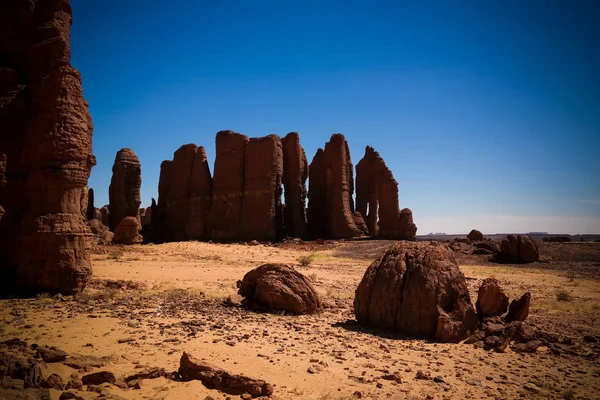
182,296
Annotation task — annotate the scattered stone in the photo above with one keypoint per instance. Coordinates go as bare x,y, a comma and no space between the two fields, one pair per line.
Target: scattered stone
212,377
51,354
54,381
98,378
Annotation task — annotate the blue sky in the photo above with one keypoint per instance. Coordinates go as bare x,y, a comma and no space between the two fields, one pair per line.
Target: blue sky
487,112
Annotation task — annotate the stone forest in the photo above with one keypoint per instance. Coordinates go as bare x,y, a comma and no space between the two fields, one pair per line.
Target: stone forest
324,254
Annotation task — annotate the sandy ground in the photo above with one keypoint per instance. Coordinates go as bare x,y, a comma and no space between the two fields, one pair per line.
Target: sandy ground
179,297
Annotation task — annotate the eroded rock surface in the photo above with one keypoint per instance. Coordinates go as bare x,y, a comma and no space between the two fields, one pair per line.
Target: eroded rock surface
491,299
261,215
228,186
45,151
518,249
377,199
519,309
191,368
127,232
279,287
475,236
331,185
124,190
295,173
416,289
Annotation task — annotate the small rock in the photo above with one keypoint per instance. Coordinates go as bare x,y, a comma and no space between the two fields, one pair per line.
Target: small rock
99,377
531,387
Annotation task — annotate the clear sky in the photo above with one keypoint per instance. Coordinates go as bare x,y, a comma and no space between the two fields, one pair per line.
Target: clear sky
487,112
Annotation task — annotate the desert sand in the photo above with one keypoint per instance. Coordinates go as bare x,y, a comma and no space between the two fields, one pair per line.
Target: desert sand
147,304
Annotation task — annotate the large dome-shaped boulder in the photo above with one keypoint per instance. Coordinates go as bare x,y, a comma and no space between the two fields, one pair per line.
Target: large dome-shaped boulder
518,249
491,299
475,236
127,232
279,287
416,289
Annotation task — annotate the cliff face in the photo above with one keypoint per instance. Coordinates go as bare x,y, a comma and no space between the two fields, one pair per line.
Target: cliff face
45,151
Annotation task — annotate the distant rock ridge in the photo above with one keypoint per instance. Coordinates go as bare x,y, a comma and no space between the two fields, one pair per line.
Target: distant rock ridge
242,201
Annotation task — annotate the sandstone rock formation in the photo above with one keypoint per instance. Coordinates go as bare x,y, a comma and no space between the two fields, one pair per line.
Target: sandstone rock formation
105,215
331,185
518,249
416,289
127,232
377,199
475,236
228,186
279,287
261,214
147,216
124,190
101,231
518,309
45,151
295,173
359,221
191,368
184,196
491,300
178,207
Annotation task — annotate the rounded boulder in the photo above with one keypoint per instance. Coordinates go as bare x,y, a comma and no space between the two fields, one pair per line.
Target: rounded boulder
279,287
417,289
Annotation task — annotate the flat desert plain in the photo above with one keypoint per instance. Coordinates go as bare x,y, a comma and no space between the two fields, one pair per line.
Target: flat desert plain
147,304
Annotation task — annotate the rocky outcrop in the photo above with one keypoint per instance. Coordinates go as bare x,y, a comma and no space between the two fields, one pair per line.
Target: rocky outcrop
184,196
228,186
178,203
146,216
105,215
127,232
200,197
491,299
45,151
261,215
475,236
519,309
416,289
279,287
101,231
191,368
518,249
360,223
295,173
124,190
377,199
331,185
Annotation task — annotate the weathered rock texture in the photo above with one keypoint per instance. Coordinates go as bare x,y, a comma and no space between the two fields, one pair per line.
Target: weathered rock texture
184,196
518,249
416,289
331,185
377,199
295,173
261,216
105,215
191,368
45,151
519,309
475,236
228,186
124,190
491,299
279,287
127,232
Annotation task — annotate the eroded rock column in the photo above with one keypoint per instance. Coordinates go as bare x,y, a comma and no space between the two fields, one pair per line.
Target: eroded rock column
124,190
295,173
45,151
